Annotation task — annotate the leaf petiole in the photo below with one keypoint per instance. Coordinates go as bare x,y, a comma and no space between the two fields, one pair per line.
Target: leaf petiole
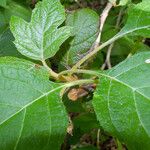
76,71
52,73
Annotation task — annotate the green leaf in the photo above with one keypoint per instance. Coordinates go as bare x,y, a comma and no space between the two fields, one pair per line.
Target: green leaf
138,22
122,101
41,38
123,2
32,114
16,9
12,9
85,23
7,47
3,21
3,3
86,122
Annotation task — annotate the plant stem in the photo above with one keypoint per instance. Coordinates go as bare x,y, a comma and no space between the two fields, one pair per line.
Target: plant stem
116,37
107,61
79,82
119,145
79,63
52,73
102,20
74,83
98,139
77,71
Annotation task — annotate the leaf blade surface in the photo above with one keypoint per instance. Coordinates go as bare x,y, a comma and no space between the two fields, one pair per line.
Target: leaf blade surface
32,114
41,38
122,101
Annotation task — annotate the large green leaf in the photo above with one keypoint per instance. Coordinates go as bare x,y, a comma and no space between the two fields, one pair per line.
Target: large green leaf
32,114
85,23
122,101
41,38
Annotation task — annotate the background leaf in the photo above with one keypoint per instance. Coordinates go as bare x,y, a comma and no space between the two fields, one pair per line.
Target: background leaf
85,23
32,113
138,22
3,3
7,47
138,19
122,101
13,8
41,38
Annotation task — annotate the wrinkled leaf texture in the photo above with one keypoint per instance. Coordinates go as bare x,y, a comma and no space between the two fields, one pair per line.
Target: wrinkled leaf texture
122,101
41,38
85,23
32,114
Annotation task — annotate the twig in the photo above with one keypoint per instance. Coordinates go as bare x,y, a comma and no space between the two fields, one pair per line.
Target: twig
98,138
96,43
116,37
107,61
101,22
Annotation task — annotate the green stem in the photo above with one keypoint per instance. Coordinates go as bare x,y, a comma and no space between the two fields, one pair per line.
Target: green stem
79,82
119,35
119,145
52,73
77,71
85,58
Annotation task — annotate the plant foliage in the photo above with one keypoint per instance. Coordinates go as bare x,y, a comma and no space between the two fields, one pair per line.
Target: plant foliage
42,108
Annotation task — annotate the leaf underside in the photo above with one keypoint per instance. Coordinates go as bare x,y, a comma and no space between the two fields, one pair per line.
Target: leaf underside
122,101
32,114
